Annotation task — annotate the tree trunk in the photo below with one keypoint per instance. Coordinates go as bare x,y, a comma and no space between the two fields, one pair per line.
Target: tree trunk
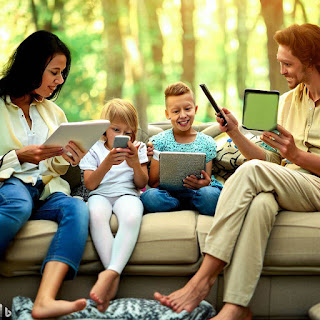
188,43
242,53
225,62
129,35
156,41
114,49
272,12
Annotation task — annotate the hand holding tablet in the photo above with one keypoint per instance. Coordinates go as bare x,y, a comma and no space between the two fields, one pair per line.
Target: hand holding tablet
83,134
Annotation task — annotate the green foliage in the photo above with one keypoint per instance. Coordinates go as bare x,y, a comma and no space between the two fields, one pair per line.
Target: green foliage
80,24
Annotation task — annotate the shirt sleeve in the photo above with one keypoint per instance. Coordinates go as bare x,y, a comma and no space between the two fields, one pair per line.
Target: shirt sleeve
210,147
142,153
90,161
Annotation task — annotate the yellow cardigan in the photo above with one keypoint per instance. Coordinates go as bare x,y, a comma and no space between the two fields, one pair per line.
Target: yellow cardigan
10,123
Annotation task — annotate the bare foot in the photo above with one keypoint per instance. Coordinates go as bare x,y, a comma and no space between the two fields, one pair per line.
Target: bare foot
187,298
105,289
50,308
233,312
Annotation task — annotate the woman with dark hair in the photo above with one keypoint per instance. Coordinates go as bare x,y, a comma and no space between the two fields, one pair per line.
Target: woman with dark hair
30,183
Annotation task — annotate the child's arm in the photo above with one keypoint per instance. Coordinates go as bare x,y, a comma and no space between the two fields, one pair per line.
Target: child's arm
192,182
154,174
93,178
140,171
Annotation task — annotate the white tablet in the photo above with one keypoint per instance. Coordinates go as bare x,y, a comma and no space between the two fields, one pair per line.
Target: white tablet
176,166
84,133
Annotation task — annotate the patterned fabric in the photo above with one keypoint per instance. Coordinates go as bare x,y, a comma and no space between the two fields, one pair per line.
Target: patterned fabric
120,309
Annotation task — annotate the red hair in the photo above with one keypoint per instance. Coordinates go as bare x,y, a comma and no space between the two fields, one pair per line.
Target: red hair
303,42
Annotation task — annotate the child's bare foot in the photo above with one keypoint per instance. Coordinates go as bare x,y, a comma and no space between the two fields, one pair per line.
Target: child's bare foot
105,289
50,308
233,312
187,298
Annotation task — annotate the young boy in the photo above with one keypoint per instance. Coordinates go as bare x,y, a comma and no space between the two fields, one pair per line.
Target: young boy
199,194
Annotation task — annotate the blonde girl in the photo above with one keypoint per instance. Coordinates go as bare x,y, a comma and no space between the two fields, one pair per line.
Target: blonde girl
115,177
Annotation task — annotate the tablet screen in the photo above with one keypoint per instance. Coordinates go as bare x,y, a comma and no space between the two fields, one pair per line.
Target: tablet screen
260,109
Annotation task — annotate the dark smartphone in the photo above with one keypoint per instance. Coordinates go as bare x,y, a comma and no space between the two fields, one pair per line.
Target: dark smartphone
213,103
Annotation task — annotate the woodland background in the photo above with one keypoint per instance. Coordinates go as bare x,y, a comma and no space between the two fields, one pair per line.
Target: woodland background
134,48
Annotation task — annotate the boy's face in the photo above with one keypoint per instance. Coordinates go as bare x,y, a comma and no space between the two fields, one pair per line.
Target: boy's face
181,111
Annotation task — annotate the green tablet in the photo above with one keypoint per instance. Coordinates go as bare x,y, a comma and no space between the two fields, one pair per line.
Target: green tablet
260,109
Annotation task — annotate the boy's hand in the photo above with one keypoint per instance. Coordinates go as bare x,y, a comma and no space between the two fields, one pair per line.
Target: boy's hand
192,182
150,149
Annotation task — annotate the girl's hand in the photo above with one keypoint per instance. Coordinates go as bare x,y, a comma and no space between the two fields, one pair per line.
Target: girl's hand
132,157
283,141
192,182
232,122
77,153
36,153
116,156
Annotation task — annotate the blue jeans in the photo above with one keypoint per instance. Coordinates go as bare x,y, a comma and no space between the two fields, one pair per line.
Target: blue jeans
203,200
20,202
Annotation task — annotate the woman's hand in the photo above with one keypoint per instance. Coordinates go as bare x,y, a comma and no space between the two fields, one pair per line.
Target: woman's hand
283,141
232,122
192,182
36,153
73,153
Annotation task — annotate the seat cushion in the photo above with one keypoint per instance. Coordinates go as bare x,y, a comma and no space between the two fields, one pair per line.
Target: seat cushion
293,245
166,238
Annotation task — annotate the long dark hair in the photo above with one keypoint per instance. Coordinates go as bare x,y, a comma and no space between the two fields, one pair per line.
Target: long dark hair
24,70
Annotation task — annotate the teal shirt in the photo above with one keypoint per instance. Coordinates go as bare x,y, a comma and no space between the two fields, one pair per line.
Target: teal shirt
165,141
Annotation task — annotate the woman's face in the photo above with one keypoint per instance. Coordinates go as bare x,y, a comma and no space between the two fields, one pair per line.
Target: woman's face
52,76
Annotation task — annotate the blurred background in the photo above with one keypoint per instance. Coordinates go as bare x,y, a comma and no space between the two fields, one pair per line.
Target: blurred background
134,48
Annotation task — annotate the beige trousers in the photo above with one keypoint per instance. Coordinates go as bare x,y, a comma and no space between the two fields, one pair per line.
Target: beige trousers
245,215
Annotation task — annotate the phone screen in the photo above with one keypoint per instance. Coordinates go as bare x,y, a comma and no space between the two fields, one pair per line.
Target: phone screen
260,109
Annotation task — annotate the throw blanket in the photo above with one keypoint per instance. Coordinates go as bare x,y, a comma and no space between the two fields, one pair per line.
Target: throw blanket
120,309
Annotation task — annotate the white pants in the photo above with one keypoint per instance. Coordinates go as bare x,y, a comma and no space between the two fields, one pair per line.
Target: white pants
115,252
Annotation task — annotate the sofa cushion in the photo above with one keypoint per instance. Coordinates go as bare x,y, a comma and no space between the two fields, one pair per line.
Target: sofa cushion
166,238
293,244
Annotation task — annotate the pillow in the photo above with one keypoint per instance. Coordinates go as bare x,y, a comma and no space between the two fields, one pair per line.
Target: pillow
229,158
120,309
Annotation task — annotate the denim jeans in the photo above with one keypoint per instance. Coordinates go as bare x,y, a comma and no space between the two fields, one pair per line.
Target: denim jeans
20,202
203,200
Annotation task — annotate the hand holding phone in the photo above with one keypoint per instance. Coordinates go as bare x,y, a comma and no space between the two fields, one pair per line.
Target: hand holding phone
121,141
213,103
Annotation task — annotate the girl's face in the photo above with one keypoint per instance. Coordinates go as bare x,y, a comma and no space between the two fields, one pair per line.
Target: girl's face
116,128
52,76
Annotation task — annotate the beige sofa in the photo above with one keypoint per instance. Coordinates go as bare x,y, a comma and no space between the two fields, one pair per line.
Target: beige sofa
168,253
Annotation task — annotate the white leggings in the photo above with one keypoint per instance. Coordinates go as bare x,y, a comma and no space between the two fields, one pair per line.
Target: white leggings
115,252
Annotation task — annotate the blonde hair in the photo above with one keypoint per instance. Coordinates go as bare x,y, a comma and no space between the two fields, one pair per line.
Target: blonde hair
122,110
178,89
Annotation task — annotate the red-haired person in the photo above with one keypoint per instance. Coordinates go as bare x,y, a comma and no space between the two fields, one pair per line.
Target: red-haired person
254,194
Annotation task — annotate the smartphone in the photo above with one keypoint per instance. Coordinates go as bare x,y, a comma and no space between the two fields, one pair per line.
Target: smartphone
121,141
213,103
260,109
